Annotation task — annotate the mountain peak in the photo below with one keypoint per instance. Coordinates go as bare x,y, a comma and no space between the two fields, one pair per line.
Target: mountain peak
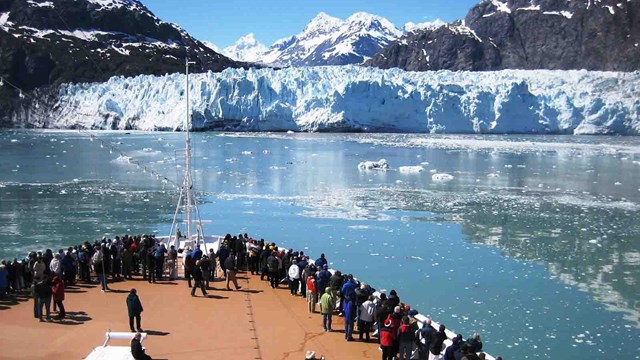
427,25
246,48
323,22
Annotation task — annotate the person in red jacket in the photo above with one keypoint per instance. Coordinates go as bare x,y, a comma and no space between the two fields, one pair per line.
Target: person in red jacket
387,337
57,286
312,293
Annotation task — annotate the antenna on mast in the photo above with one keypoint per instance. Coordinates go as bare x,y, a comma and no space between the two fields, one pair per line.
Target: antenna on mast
186,199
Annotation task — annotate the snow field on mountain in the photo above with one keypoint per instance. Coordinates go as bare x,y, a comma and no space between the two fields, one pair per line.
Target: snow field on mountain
352,98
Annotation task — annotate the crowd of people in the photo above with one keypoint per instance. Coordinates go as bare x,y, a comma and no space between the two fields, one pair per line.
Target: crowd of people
371,315
395,327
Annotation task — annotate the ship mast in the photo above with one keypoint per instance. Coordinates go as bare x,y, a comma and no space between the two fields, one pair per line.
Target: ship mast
186,200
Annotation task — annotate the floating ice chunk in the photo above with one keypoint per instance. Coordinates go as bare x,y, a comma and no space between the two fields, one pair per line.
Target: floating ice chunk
290,132
411,169
375,254
123,158
147,149
617,183
416,258
231,160
493,175
14,140
425,163
374,165
593,241
433,171
266,152
508,166
247,152
442,178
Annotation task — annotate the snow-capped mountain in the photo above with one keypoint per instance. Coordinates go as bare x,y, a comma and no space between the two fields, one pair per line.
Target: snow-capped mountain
44,43
356,98
327,40
526,34
247,48
428,25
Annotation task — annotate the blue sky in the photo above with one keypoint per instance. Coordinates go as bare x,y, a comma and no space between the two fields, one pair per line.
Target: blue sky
223,22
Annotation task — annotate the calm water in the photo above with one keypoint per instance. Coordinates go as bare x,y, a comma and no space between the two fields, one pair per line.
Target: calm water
535,243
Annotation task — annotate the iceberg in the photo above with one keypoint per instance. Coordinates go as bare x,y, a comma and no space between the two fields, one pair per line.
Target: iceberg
374,165
355,98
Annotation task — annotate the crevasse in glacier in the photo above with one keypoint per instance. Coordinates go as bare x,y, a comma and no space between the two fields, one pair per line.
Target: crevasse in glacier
353,98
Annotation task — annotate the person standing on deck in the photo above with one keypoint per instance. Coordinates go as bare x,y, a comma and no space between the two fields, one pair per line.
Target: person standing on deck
437,341
349,308
136,348
312,292
387,337
474,343
127,262
197,277
321,262
84,264
161,250
231,266
425,339
56,266
151,265
407,337
294,277
189,265
450,352
4,280
172,262
222,254
205,265
327,305
272,265
322,279
305,269
367,310
262,262
197,253
134,309
212,266
99,268
58,296
43,292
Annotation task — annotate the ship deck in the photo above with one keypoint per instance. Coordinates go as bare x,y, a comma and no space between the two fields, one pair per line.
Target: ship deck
256,322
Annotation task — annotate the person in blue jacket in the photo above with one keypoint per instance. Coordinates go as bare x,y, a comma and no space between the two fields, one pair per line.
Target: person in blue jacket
322,279
321,262
349,317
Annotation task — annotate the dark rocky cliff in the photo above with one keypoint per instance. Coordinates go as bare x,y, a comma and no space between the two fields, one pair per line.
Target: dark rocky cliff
526,34
45,43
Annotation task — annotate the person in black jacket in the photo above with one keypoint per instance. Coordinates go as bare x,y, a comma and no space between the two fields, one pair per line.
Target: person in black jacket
43,292
134,308
475,344
437,341
136,348
197,277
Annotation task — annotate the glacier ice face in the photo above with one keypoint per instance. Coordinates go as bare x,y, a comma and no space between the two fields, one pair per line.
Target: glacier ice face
353,98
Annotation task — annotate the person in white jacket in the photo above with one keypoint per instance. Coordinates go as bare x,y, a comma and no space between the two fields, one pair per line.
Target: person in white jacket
56,265
367,309
294,277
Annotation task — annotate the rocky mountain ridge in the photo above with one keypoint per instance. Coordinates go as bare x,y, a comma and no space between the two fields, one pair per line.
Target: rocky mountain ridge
526,34
45,43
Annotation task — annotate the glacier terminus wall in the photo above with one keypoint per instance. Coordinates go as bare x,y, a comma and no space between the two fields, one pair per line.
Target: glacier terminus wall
354,98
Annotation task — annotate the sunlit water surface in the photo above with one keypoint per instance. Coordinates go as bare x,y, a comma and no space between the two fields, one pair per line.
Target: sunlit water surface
535,242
